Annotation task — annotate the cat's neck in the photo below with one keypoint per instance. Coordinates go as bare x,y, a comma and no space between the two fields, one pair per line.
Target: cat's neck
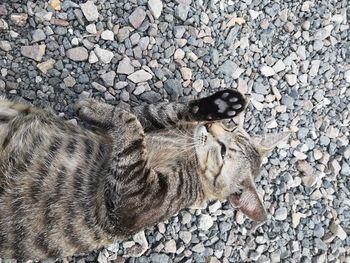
170,147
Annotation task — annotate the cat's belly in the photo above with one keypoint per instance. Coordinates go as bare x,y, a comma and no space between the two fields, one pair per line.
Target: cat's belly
49,191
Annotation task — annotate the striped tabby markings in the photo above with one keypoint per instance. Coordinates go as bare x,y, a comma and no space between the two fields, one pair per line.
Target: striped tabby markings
19,230
45,173
93,176
73,230
44,168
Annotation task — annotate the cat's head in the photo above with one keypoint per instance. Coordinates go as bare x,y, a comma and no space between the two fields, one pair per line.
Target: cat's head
229,161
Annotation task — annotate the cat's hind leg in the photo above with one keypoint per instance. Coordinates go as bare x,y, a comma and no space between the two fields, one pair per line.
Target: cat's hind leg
95,112
9,109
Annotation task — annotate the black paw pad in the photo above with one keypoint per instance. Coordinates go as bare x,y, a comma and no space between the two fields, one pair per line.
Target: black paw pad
221,105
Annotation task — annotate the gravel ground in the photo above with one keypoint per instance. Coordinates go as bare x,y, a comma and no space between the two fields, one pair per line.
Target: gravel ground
291,57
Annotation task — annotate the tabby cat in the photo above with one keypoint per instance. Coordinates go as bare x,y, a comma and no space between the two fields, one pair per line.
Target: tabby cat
66,189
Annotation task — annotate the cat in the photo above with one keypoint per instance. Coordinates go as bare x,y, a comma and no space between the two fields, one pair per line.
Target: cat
67,189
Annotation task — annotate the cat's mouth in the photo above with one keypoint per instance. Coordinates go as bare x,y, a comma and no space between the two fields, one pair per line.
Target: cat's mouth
202,133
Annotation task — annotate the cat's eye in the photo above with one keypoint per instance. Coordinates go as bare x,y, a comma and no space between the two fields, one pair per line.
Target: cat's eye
222,150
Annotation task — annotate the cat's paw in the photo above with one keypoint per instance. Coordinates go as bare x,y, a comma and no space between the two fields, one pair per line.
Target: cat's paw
85,108
221,105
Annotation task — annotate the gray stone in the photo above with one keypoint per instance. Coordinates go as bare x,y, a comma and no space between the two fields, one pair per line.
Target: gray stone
170,246
215,56
289,27
69,81
120,85
35,52
135,38
186,73
137,16
123,33
144,42
77,54
140,76
301,52
224,227
185,236
318,231
90,11
214,83
155,7
261,88
228,68
125,66
237,73
323,33
232,35
98,87
198,85
46,65
181,11
103,55
91,28
345,168
279,66
141,89
124,96
205,222
5,45
83,78
291,79
267,71
3,10
19,19
169,52
347,76
137,52
338,230
107,35
179,31
108,78
315,64
151,97
43,16
173,87
38,35
92,57
281,214
159,258
3,24
199,248
186,218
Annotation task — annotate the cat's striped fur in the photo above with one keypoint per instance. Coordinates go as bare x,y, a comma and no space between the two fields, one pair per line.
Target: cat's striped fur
65,189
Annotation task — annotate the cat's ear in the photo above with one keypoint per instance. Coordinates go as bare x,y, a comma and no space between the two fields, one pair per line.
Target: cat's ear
250,203
265,144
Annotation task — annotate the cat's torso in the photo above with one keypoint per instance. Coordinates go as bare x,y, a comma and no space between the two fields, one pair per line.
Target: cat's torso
50,171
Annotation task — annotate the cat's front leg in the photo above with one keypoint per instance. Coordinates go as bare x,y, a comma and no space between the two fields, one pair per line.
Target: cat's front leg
221,105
